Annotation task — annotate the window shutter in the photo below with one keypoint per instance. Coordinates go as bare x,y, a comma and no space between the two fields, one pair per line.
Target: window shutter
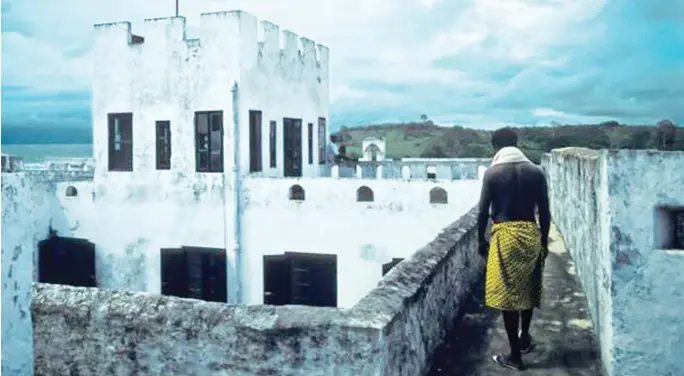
174,272
214,276
277,280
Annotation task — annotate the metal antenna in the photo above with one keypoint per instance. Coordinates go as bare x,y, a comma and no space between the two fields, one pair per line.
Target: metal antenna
176,8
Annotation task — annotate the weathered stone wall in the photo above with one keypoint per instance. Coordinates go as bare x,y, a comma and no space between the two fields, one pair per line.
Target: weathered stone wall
390,332
578,197
419,299
604,203
25,222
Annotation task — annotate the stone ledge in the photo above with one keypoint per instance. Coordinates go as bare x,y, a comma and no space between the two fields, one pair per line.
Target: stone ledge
406,281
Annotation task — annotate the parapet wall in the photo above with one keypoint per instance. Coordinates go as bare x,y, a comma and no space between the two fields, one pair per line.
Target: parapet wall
578,194
329,192
158,33
613,208
457,169
92,331
25,221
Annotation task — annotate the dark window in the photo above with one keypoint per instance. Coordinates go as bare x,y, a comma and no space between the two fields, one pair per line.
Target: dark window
364,194
255,141
431,172
209,141
310,143
292,147
66,261
300,278
438,196
387,267
321,140
163,145
120,142
272,143
194,272
296,193
669,228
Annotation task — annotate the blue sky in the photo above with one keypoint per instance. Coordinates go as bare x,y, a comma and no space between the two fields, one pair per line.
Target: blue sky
478,63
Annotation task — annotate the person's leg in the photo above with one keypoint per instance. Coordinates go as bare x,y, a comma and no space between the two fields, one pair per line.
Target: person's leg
525,321
511,320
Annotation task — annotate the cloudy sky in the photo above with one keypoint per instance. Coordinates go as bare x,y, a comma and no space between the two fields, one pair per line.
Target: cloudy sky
479,63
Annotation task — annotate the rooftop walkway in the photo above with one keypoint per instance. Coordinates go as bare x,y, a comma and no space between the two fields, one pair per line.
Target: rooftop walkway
565,343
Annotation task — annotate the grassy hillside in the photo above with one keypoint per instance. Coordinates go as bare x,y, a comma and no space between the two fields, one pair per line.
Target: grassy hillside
429,141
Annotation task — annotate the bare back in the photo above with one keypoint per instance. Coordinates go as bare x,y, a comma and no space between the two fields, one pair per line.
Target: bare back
513,191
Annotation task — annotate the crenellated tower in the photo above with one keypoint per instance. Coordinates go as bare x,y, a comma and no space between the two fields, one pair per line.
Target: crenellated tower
151,88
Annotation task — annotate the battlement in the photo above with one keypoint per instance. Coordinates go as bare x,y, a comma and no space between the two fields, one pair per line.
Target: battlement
265,39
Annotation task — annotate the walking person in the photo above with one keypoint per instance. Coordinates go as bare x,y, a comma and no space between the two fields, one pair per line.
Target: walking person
332,152
512,188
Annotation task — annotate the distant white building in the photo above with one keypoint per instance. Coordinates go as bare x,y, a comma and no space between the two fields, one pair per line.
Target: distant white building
373,149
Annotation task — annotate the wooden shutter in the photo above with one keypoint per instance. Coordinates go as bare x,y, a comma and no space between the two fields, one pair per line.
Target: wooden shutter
277,280
174,272
216,145
214,276
313,279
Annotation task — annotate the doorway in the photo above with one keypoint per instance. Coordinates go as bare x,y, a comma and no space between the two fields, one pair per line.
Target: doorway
292,148
67,261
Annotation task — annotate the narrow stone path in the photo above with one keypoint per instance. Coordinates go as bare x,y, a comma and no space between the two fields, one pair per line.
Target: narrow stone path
565,342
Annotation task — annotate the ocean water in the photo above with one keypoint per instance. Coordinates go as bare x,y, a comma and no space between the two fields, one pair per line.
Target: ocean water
33,153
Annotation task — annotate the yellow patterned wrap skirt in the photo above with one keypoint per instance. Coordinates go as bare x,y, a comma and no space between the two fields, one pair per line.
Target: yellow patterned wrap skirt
514,267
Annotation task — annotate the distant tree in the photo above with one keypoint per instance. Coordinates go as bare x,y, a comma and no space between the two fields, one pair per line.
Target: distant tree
610,123
423,118
667,133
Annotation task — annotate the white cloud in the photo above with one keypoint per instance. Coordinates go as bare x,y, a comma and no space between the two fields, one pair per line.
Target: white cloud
548,112
475,62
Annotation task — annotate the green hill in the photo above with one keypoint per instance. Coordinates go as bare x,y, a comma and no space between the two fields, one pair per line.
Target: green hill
426,140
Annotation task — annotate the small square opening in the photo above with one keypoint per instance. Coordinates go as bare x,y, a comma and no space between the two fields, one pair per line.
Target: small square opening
669,228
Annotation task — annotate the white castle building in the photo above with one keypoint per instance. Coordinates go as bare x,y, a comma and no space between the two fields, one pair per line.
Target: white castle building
208,181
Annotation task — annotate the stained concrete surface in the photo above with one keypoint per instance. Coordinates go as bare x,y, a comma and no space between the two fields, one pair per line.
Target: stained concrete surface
565,342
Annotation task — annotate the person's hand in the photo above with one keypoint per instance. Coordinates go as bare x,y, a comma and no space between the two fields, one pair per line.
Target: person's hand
483,249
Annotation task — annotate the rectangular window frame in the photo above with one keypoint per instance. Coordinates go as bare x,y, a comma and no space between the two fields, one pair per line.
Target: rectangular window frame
209,157
272,138
163,137
255,133
310,143
120,156
322,142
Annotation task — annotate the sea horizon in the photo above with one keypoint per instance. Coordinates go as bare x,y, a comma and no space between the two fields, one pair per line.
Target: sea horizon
36,153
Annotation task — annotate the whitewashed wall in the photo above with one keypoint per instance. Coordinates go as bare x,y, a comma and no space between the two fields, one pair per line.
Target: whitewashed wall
363,235
648,283
26,214
129,224
604,203
291,82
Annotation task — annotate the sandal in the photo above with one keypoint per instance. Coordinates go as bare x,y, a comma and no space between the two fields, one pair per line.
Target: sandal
528,347
505,361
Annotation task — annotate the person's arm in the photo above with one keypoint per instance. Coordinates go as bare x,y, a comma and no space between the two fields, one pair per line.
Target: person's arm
483,215
544,213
